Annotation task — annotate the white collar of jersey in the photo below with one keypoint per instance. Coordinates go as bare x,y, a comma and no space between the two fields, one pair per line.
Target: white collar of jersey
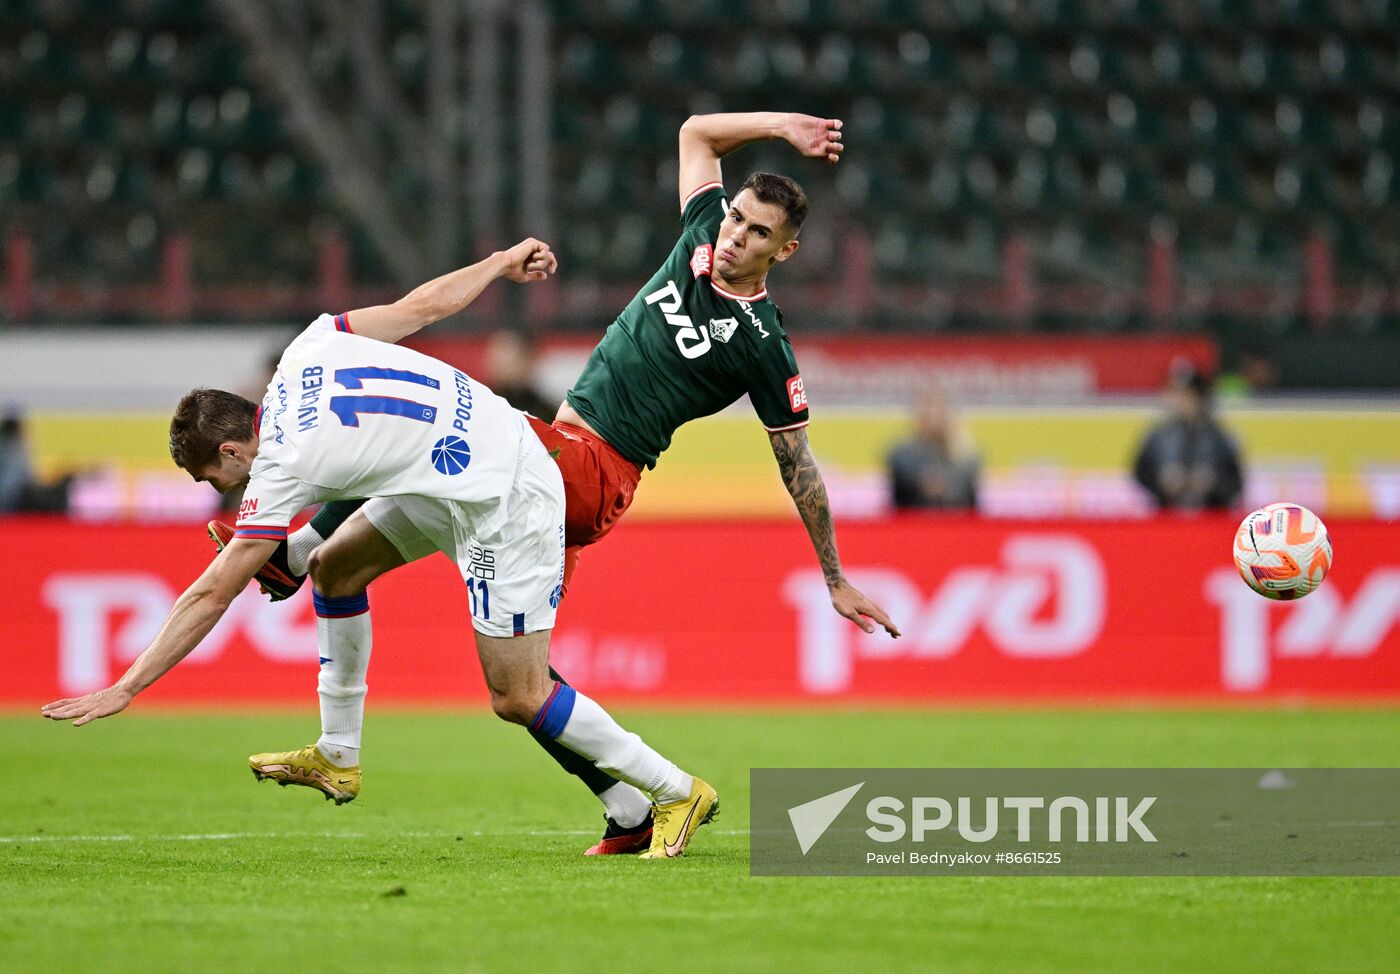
739,297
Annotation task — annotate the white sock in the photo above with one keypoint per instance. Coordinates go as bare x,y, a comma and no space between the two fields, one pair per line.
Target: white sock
344,642
300,544
625,805
591,732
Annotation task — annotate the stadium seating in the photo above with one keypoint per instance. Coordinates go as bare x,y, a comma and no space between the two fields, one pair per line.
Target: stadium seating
1245,127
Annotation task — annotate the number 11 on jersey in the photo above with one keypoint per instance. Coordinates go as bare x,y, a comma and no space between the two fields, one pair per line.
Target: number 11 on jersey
482,601
348,408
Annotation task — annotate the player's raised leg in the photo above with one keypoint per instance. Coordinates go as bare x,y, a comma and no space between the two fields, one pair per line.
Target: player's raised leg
286,570
302,542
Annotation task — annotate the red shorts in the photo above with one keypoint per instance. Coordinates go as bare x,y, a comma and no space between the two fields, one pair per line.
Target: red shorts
599,484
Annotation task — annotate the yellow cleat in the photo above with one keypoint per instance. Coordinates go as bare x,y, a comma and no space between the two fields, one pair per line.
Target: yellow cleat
308,767
676,822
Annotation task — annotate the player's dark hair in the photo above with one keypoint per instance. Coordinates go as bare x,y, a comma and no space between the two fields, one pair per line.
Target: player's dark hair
780,191
204,419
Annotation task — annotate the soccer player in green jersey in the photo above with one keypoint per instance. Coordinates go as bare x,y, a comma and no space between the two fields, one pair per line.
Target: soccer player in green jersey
700,334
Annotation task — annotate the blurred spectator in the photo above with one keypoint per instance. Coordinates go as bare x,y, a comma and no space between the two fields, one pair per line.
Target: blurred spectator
16,472
1188,461
937,466
1255,374
510,368
19,490
256,386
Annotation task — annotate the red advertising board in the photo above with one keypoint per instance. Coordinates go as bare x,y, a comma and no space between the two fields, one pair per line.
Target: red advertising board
737,612
893,369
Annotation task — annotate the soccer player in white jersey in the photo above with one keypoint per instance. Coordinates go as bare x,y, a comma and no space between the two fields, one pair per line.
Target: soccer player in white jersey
350,414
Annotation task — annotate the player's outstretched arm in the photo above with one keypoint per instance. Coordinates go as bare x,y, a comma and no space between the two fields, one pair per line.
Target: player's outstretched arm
194,614
528,261
804,483
705,139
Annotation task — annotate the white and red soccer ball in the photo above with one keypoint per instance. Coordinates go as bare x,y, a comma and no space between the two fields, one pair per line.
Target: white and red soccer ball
1282,551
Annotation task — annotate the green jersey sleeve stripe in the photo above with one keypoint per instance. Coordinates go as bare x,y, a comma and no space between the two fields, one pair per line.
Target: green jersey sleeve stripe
699,190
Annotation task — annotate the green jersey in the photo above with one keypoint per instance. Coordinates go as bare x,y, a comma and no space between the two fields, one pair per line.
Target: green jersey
684,347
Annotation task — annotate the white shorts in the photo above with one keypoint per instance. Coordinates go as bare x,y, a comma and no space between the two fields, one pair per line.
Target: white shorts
510,553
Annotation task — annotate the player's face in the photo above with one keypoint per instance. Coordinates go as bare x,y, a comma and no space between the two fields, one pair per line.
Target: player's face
753,237
229,471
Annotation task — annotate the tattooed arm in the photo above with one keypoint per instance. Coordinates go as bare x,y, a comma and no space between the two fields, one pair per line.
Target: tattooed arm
804,482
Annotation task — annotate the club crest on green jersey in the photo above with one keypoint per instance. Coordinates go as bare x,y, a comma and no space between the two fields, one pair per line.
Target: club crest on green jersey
722,328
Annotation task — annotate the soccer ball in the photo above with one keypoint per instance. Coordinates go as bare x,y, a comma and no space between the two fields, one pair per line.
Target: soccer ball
1282,551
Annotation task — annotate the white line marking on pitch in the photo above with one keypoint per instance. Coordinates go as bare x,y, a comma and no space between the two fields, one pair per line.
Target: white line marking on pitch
205,837
235,836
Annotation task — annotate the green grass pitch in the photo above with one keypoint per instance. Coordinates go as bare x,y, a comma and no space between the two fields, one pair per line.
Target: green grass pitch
142,843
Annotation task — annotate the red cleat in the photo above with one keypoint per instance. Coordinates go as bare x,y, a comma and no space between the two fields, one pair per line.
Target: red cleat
617,841
275,577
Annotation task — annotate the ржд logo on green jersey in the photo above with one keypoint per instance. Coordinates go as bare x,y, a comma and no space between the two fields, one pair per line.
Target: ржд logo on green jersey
692,341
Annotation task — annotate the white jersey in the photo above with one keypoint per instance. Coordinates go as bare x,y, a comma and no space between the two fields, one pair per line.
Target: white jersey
350,417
